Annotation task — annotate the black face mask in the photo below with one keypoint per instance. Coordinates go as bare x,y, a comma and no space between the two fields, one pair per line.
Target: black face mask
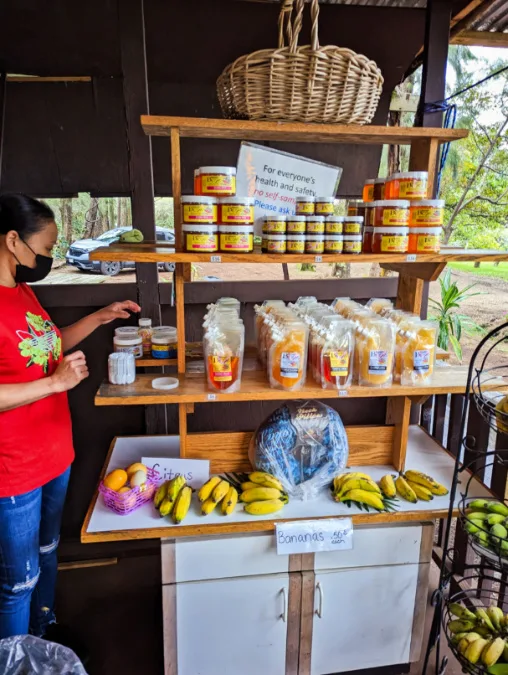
29,275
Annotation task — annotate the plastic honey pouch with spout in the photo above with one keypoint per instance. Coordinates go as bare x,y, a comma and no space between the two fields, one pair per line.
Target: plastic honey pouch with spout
344,306
419,353
336,358
287,358
224,347
380,305
376,353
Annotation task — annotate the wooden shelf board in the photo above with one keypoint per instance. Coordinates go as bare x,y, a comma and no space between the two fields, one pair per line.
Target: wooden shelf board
150,253
197,127
423,454
193,389
155,363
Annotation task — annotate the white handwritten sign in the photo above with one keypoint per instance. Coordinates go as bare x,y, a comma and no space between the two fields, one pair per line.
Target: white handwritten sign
311,536
195,471
275,178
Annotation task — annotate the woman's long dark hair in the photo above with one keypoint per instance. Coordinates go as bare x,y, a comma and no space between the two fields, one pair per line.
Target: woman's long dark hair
23,214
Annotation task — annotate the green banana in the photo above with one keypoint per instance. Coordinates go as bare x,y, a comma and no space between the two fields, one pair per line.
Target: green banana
499,531
474,526
483,617
132,237
492,652
482,538
461,626
479,504
497,507
498,669
461,612
478,515
160,495
495,519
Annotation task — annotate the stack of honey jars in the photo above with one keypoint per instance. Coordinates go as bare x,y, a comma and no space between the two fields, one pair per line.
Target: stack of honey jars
215,218
398,216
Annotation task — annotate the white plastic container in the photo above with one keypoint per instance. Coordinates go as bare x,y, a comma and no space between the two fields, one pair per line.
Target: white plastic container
121,368
129,345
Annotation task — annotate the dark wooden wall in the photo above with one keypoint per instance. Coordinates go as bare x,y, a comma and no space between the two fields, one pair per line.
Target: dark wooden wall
61,139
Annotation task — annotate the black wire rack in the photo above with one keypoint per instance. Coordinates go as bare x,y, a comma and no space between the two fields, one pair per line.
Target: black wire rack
478,595
486,389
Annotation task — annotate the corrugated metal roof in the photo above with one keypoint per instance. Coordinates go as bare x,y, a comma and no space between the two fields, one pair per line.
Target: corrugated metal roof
496,19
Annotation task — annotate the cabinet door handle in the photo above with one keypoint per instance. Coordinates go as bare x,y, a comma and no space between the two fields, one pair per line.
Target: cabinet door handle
284,615
319,610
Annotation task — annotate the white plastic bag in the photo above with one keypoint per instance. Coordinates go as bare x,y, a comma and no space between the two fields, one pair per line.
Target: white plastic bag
304,445
28,655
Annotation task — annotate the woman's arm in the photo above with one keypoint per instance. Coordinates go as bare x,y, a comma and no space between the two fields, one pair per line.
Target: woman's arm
73,335
70,372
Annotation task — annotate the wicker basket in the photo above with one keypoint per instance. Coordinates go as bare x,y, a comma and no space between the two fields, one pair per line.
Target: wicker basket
301,84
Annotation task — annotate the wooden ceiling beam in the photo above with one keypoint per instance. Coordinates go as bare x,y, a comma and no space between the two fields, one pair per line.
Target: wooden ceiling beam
483,38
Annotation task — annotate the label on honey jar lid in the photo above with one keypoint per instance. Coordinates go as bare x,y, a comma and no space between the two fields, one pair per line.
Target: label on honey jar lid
378,361
221,367
412,188
290,365
421,360
339,363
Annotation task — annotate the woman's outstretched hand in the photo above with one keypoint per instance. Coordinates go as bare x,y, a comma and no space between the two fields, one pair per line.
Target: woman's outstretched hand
118,310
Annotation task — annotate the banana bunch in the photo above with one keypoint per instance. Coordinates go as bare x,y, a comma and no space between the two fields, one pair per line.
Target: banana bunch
173,498
479,636
263,494
487,522
132,237
359,488
414,485
217,491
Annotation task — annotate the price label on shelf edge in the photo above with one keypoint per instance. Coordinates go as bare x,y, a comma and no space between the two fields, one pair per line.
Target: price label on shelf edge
215,259
312,536
342,392
319,258
411,257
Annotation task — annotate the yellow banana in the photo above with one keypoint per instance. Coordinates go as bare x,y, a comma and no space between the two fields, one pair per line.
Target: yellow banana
363,497
220,491
249,486
387,485
264,507
208,506
160,495
339,480
182,504
475,649
206,490
165,507
462,646
260,493
421,492
427,482
174,487
359,484
262,478
405,491
496,616
229,502
492,652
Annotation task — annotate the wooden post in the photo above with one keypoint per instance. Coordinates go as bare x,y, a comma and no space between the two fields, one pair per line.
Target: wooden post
435,57
3,100
135,93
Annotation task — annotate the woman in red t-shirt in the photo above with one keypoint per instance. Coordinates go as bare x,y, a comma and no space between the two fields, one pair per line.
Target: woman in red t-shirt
36,448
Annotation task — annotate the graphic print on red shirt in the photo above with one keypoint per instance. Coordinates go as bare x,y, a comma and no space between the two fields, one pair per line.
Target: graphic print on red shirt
35,439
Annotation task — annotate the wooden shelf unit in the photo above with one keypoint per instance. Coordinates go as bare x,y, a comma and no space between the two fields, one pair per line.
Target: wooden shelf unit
371,446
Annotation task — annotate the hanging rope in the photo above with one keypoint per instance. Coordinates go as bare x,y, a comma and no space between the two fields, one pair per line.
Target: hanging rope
450,110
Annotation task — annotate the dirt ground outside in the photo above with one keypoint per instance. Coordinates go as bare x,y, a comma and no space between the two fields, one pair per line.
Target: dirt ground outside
487,310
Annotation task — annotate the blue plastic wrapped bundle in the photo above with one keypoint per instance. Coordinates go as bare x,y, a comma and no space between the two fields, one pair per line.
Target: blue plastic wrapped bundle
304,445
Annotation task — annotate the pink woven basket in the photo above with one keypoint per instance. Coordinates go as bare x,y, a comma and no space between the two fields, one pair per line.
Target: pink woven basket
127,502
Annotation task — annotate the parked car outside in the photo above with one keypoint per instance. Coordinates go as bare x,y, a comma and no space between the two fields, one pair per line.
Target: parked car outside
78,254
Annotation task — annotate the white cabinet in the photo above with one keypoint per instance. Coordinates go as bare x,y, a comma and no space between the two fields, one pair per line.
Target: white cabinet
236,625
363,618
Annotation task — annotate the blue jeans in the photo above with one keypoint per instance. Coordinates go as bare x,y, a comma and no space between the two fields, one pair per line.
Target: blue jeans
29,534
